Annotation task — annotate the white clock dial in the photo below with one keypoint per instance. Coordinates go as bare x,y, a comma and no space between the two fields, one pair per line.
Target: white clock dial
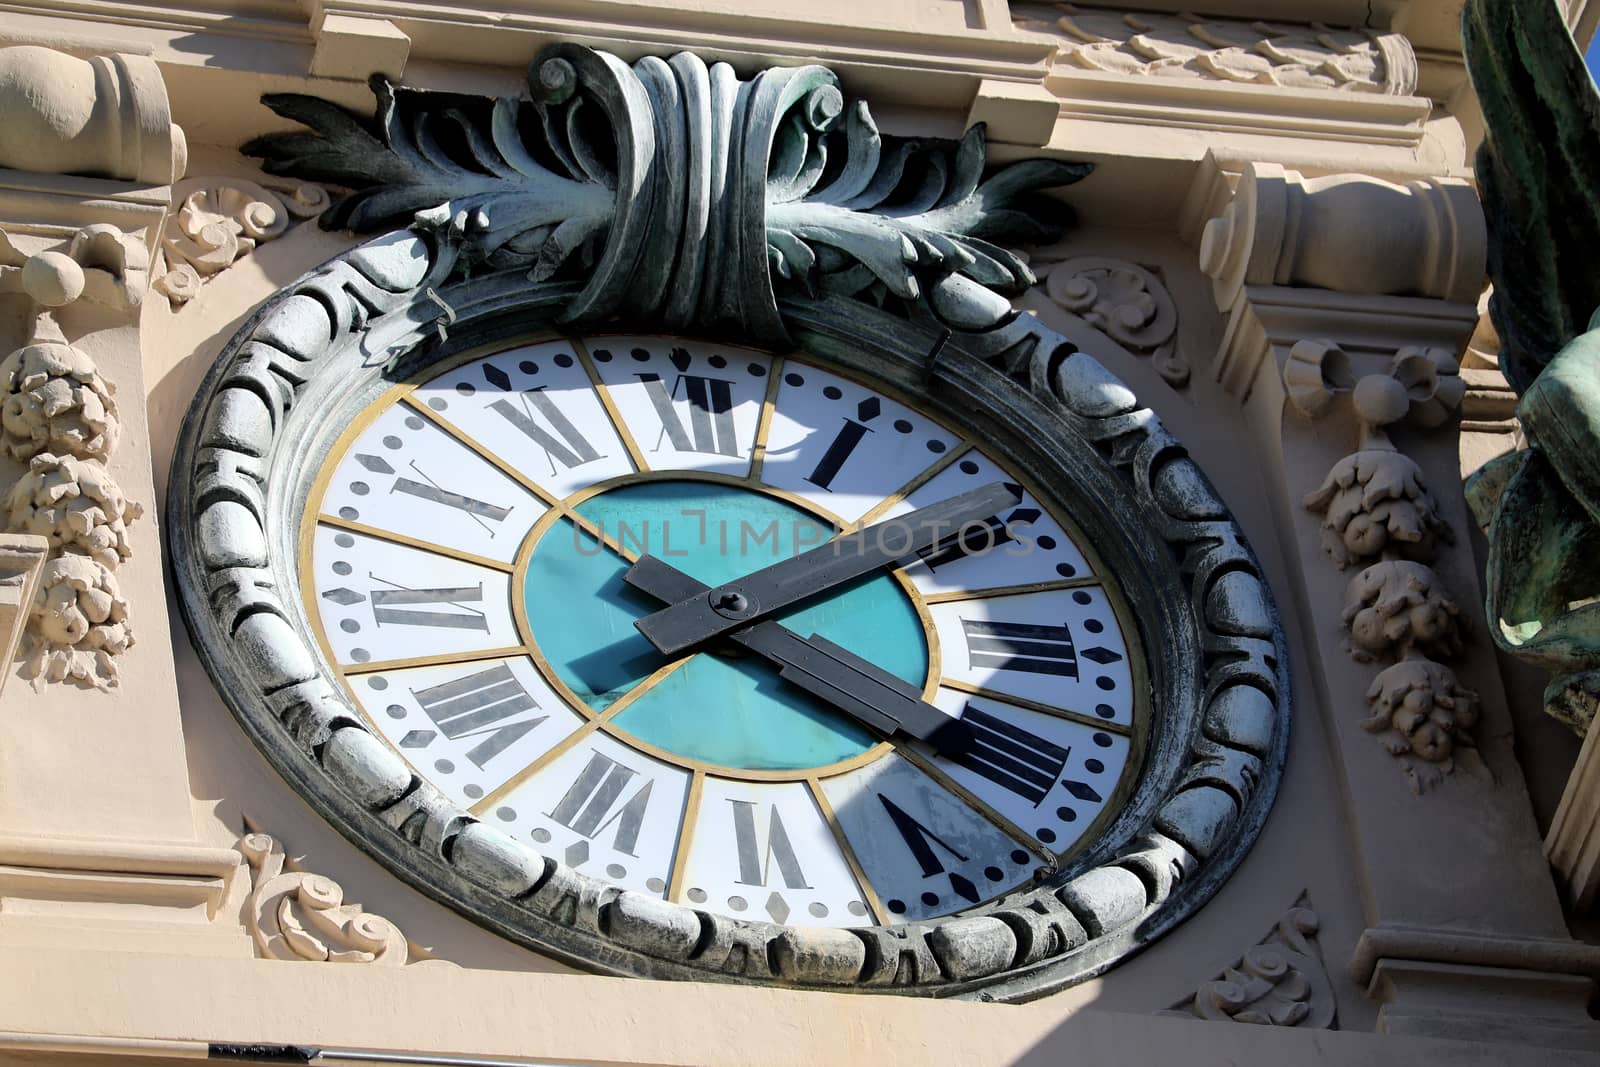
464,562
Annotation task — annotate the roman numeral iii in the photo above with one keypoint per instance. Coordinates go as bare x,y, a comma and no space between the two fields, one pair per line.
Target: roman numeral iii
1019,646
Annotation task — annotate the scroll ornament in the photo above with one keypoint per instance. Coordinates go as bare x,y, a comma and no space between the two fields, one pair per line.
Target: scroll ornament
218,221
296,915
58,416
1376,510
1279,982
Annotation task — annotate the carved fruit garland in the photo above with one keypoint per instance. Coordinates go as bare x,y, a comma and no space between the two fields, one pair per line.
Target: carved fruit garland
59,417
1376,510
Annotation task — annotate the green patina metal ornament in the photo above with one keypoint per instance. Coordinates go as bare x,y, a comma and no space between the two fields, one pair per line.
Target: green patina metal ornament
1540,506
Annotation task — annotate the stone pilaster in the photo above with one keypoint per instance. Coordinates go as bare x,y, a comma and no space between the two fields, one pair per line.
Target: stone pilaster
1348,302
97,837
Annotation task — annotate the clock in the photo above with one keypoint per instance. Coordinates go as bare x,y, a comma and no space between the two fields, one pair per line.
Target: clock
662,541
471,564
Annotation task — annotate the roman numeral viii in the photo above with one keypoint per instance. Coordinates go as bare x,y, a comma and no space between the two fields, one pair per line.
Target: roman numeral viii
1017,646
565,446
1011,757
478,705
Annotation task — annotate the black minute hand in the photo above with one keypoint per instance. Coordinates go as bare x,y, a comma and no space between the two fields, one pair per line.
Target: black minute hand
700,617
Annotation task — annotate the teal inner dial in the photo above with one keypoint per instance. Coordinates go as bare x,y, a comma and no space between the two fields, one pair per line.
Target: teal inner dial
720,708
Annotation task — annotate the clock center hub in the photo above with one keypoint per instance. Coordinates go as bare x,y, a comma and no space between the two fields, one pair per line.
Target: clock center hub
716,709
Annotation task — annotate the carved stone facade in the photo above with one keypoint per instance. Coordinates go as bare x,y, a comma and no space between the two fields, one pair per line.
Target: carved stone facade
1274,261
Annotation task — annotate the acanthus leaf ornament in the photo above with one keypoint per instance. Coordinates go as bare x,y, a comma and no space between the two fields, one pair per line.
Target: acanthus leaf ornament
672,184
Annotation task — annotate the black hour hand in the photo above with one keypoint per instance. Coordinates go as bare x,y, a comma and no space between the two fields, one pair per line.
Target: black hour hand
860,689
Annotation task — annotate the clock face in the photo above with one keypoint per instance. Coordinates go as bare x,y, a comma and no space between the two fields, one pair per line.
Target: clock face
463,560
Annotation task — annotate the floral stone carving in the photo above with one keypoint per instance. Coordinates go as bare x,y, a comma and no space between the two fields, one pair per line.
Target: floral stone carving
1374,502
1305,56
1127,303
76,504
53,399
1424,717
219,221
1279,982
79,624
296,915
1401,608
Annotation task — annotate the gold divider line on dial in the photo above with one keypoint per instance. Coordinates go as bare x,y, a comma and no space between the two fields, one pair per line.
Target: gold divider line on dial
443,659
548,498
1011,590
850,858
414,542
680,855
1033,705
927,474
769,405
607,401
949,784
561,747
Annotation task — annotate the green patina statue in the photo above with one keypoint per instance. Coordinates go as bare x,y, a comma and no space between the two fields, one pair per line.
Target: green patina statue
1540,506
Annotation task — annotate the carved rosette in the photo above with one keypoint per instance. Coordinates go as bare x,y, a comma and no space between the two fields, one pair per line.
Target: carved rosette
296,915
1376,510
1149,44
218,221
1279,982
58,416
1127,303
